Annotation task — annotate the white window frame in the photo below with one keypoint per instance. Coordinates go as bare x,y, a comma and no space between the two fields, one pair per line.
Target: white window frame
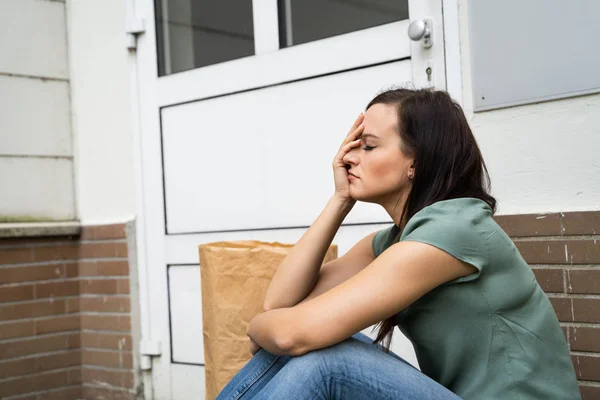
272,65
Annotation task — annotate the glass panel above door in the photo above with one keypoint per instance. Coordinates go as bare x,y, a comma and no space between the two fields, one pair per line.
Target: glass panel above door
302,21
196,33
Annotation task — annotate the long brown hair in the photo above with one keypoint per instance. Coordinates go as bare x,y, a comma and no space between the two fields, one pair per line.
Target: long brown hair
448,162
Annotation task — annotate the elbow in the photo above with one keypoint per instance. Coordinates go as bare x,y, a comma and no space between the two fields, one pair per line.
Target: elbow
289,347
266,307
291,344
286,341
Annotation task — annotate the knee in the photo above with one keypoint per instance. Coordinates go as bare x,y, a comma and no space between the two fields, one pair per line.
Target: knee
323,360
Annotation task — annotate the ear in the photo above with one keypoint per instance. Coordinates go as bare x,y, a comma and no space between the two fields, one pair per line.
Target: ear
411,170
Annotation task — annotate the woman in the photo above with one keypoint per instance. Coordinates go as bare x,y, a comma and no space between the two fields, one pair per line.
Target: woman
444,272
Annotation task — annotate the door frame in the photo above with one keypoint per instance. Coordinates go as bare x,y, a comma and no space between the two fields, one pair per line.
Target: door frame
150,93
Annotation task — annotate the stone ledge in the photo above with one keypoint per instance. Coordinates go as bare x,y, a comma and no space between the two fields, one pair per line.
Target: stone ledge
37,229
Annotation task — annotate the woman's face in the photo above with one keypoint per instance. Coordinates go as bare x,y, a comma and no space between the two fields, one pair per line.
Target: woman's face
381,168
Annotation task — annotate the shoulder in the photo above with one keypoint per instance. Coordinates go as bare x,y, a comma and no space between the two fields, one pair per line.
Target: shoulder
450,216
460,227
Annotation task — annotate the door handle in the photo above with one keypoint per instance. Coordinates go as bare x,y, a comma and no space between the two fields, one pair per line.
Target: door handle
421,29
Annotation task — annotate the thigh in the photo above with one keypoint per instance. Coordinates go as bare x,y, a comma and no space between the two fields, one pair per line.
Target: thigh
351,370
260,369
253,376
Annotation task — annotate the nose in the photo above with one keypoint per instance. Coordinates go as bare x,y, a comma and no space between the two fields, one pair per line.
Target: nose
351,157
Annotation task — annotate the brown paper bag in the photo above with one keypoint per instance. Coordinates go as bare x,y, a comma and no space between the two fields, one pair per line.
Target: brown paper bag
234,280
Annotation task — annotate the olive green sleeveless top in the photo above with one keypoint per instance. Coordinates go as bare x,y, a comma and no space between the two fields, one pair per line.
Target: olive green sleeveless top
489,335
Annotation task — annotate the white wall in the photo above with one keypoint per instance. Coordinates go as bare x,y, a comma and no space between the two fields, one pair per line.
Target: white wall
541,157
104,177
36,156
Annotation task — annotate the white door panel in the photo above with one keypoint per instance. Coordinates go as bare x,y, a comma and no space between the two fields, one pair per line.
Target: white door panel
185,311
262,159
231,150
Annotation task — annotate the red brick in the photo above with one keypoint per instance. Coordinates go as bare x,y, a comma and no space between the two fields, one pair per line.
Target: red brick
32,309
103,232
522,225
581,223
74,377
16,293
15,311
33,383
33,346
551,280
122,379
573,251
583,281
12,368
73,305
115,268
105,358
89,339
61,323
587,367
563,308
565,330
66,359
68,251
95,392
98,286
65,393
103,249
114,341
74,340
16,329
16,256
57,289
586,310
589,392
31,273
105,304
104,268
71,269
553,224
106,322
123,286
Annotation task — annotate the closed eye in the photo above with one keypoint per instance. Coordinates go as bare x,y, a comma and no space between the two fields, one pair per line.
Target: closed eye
368,148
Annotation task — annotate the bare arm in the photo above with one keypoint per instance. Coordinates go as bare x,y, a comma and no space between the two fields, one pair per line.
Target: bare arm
337,271
267,328
298,272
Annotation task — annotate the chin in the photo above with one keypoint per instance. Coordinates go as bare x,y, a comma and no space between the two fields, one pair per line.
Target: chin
358,196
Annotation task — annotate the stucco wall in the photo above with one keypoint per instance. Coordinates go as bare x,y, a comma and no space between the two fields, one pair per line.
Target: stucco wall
36,154
104,177
541,157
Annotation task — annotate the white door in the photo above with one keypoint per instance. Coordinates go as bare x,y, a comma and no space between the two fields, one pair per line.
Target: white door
242,106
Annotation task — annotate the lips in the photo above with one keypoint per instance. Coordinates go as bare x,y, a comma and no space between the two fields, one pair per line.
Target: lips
351,174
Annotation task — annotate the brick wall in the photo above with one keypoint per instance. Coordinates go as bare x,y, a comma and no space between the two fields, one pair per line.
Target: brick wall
563,250
65,316
65,307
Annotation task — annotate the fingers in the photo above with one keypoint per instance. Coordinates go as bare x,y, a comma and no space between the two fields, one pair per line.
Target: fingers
353,134
346,148
356,124
352,144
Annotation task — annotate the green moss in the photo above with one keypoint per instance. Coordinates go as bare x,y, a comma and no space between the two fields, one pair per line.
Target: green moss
7,219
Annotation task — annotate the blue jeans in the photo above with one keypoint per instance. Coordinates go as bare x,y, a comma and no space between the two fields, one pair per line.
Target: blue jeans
351,370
